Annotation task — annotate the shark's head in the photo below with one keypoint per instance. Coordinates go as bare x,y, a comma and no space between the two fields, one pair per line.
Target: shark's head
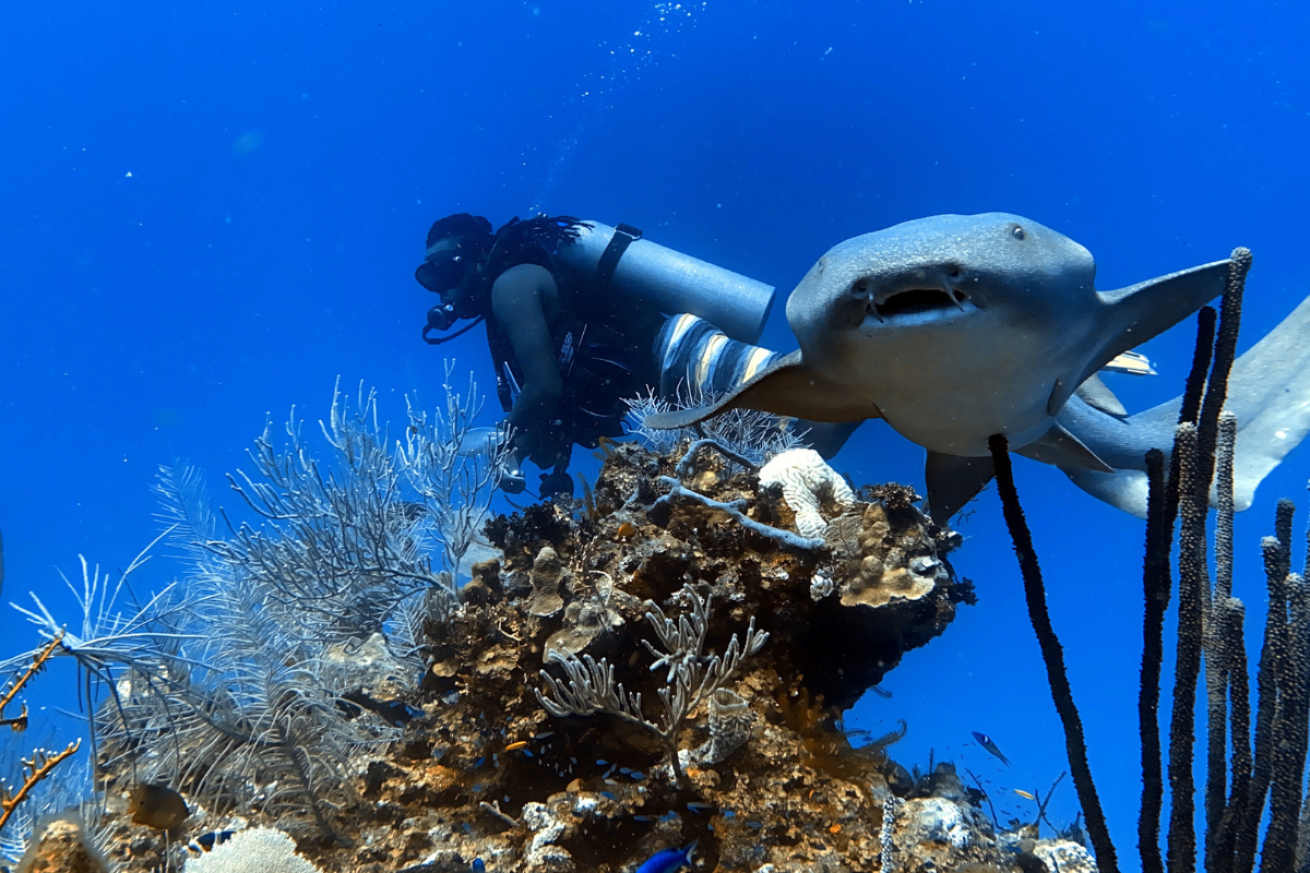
945,279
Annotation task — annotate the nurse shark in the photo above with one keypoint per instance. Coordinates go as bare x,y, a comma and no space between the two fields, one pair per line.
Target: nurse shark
956,327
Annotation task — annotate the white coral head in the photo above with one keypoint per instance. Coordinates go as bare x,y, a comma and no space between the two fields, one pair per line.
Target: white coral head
807,481
254,850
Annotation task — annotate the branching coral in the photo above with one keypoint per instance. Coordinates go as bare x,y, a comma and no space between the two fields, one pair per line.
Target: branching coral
236,694
455,484
692,676
752,435
42,762
338,540
734,511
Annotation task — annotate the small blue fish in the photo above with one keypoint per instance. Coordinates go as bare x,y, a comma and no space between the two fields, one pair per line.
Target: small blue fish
207,841
669,860
986,742
478,866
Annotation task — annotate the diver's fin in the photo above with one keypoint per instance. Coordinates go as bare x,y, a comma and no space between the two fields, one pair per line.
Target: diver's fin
1059,448
1095,392
786,387
954,480
1135,314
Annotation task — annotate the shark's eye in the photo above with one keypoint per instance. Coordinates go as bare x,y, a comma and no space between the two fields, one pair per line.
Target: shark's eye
1018,232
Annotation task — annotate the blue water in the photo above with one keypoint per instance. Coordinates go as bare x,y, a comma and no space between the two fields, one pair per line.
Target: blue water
210,211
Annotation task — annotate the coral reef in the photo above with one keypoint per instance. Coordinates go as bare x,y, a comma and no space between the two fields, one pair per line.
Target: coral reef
662,663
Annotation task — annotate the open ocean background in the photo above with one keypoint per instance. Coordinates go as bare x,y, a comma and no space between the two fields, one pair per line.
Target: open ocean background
209,212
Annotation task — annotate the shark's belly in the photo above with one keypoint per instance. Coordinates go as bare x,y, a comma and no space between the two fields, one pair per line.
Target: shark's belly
958,420
951,385
965,436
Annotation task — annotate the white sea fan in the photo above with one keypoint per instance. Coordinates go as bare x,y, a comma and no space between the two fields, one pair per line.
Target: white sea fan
756,436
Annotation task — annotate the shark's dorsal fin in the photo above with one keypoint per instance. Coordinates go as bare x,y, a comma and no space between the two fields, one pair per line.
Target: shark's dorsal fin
1062,449
1135,314
787,387
954,480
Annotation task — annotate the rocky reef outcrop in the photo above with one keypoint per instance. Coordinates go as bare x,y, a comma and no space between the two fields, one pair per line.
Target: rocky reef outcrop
663,661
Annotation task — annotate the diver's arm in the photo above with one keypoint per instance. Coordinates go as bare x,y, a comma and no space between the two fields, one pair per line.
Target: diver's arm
517,304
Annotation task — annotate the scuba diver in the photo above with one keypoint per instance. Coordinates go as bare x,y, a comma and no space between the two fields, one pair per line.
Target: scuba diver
581,316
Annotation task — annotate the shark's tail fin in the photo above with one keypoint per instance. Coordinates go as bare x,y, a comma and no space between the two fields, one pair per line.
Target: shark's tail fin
1268,391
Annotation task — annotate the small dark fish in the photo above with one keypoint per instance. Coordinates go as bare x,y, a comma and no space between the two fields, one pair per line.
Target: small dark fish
157,806
669,860
986,742
207,842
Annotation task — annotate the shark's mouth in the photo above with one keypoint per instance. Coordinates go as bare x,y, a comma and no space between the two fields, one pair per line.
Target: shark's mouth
915,301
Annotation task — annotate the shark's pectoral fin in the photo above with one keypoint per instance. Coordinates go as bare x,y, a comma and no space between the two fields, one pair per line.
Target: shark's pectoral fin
954,480
787,387
1096,393
1139,312
1062,449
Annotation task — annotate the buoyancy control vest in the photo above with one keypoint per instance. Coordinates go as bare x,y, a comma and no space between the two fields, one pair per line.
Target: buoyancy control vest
601,340
615,287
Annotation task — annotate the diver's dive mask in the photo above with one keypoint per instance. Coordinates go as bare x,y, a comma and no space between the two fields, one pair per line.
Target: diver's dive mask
444,274
441,271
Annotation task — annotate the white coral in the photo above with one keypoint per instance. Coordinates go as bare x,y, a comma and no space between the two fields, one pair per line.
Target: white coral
256,850
807,481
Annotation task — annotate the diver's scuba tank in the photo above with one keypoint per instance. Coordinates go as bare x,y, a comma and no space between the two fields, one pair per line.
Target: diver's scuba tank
669,280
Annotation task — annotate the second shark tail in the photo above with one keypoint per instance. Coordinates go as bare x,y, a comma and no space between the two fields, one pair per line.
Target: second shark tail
1268,392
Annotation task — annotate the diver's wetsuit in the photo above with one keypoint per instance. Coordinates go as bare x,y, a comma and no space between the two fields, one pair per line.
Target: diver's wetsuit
600,340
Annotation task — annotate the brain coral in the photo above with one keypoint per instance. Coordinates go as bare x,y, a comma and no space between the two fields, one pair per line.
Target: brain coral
256,850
